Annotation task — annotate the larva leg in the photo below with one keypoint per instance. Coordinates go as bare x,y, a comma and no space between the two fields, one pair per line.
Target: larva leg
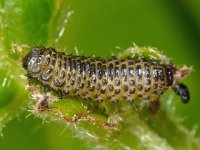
46,88
60,94
154,106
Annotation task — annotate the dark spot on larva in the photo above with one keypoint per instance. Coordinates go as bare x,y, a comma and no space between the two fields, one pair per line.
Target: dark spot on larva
93,81
109,97
98,86
83,66
170,78
64,58
146,97
72,82
56,72
51,49
160,85
124,73
100,100
110,71
112,58
59,64
77,95
91,88
125,88
147,72
87,98
49,70
78,66
146,89
139,95
124,97
155,86
66,91
155,92
130,100
161,74
104,71
68,76
160,93
75,90
45,77
147,81
139,87
95,95
99,71
50,52
131,91
117,91
131,82
84,93
92,60
78,80
68,64
58,83
130,63
64,65
117,71
73,64
54,55
122,60
104,82
155,74
116,62
92,69
62,75
47,60
53,62
110,87
87,84
60,56
84,77
138,72
81,85
117,82
46,87
103,91
131,72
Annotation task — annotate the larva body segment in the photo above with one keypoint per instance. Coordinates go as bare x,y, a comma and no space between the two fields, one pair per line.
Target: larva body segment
99,79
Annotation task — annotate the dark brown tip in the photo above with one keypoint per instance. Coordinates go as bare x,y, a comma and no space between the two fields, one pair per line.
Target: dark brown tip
183,91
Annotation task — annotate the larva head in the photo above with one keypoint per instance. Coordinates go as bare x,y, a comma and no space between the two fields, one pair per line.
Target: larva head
33,61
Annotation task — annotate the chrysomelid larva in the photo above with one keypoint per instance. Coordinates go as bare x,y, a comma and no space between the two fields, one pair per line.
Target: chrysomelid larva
103,79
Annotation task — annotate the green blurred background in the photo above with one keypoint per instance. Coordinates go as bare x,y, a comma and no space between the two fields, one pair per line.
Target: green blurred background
96,28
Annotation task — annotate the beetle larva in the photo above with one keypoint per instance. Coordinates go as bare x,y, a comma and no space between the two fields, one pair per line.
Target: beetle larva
103,79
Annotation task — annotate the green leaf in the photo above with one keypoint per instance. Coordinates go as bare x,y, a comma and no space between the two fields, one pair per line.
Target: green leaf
27,21
99,126
22,23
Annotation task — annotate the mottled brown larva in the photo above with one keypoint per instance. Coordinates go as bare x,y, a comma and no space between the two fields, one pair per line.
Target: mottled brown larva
103,79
